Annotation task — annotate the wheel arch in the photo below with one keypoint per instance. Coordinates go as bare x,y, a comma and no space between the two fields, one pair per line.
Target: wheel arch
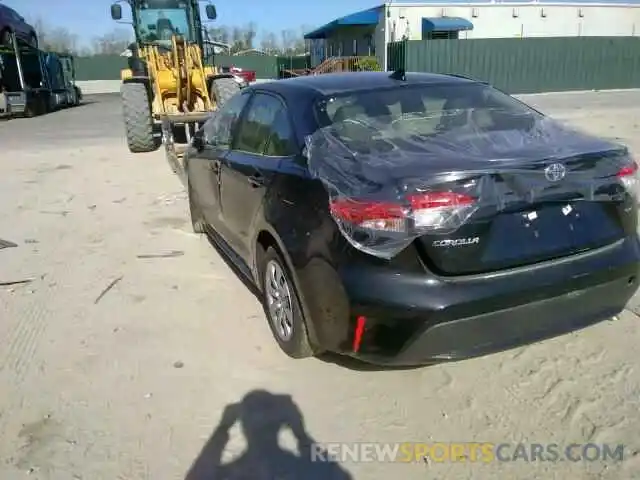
266,238
135,79
146,81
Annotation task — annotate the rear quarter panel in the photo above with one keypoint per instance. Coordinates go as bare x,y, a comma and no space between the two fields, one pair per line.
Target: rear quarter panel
295,214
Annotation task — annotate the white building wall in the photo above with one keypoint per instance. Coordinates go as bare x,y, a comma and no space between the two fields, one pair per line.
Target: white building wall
519,20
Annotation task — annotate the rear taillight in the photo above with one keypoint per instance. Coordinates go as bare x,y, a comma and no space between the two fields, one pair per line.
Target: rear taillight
439,210
371,215
420,211
629,176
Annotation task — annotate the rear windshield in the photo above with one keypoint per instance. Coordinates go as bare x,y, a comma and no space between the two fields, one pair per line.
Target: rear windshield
424,111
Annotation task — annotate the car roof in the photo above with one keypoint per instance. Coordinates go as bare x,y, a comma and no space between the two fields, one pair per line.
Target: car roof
347,82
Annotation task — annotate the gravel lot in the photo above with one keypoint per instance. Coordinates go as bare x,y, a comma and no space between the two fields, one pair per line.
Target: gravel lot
131,384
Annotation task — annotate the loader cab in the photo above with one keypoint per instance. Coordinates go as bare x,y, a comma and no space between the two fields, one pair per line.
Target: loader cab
156,21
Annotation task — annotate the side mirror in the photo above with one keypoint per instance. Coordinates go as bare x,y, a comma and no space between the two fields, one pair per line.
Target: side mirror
211,12
116,12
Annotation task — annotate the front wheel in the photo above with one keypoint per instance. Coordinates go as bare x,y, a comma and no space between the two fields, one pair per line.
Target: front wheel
282,306
138,122
222,89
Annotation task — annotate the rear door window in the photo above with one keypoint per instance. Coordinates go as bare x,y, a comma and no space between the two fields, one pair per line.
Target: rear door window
281,142
218,130
265,129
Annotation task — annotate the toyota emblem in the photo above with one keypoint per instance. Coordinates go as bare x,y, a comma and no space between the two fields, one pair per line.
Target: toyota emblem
555,172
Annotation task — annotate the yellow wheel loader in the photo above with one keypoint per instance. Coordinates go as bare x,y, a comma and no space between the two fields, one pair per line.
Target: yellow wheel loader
168,91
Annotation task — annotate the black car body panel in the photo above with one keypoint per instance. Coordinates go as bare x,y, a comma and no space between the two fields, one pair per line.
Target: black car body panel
422,303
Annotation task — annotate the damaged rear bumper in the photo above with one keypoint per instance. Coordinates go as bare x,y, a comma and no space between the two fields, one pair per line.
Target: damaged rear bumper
419,319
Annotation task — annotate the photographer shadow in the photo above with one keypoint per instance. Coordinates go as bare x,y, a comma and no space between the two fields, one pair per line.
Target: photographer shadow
262,415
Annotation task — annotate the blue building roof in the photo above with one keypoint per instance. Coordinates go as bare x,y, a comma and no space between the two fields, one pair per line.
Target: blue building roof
365,17
370,17
445,24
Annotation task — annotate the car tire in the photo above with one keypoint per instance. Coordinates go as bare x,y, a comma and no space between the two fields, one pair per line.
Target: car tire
197,219
275,277
222,89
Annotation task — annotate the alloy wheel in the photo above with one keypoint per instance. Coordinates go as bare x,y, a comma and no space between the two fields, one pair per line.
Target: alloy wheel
279,301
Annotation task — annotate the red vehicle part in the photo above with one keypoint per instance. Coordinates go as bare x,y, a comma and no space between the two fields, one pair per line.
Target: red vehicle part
248,75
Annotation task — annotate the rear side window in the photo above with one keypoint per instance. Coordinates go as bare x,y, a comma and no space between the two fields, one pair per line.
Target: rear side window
265,129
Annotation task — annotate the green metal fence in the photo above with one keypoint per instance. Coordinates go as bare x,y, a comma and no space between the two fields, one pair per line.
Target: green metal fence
100,67
107,67
265,66
528,65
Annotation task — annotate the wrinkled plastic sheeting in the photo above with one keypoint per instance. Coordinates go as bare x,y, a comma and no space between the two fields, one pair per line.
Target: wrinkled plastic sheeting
363,162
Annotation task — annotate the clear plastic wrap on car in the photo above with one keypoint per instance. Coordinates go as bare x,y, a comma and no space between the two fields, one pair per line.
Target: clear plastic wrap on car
387,189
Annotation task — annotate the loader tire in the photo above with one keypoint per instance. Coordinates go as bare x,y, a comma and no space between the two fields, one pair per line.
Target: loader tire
137,118
222,89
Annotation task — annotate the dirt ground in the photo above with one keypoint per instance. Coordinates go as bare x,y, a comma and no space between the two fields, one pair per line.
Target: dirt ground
132,383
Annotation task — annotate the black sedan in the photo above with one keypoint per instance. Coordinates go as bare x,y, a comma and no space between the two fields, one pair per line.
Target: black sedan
12,22
411,218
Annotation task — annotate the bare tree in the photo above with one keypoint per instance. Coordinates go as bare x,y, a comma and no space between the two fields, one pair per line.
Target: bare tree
269,44
112,43
56,39
249,34
220,34
239,38
286,41
292,42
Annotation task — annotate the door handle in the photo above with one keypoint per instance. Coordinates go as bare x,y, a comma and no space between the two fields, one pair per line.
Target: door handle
256,180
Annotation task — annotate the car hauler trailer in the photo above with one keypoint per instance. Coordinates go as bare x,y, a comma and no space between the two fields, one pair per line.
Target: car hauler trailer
33,82
23,91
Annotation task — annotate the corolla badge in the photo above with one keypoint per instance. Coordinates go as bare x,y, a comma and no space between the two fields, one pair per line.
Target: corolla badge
555,172
456,242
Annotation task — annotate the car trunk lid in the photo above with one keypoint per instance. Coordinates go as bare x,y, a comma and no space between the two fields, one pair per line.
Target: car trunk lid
476,202
533,212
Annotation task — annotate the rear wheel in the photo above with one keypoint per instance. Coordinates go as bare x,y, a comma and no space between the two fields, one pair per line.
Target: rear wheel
222,89
35,106
282,307
137,118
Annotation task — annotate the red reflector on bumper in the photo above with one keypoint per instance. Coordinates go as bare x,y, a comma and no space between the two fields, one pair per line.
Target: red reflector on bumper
357,338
